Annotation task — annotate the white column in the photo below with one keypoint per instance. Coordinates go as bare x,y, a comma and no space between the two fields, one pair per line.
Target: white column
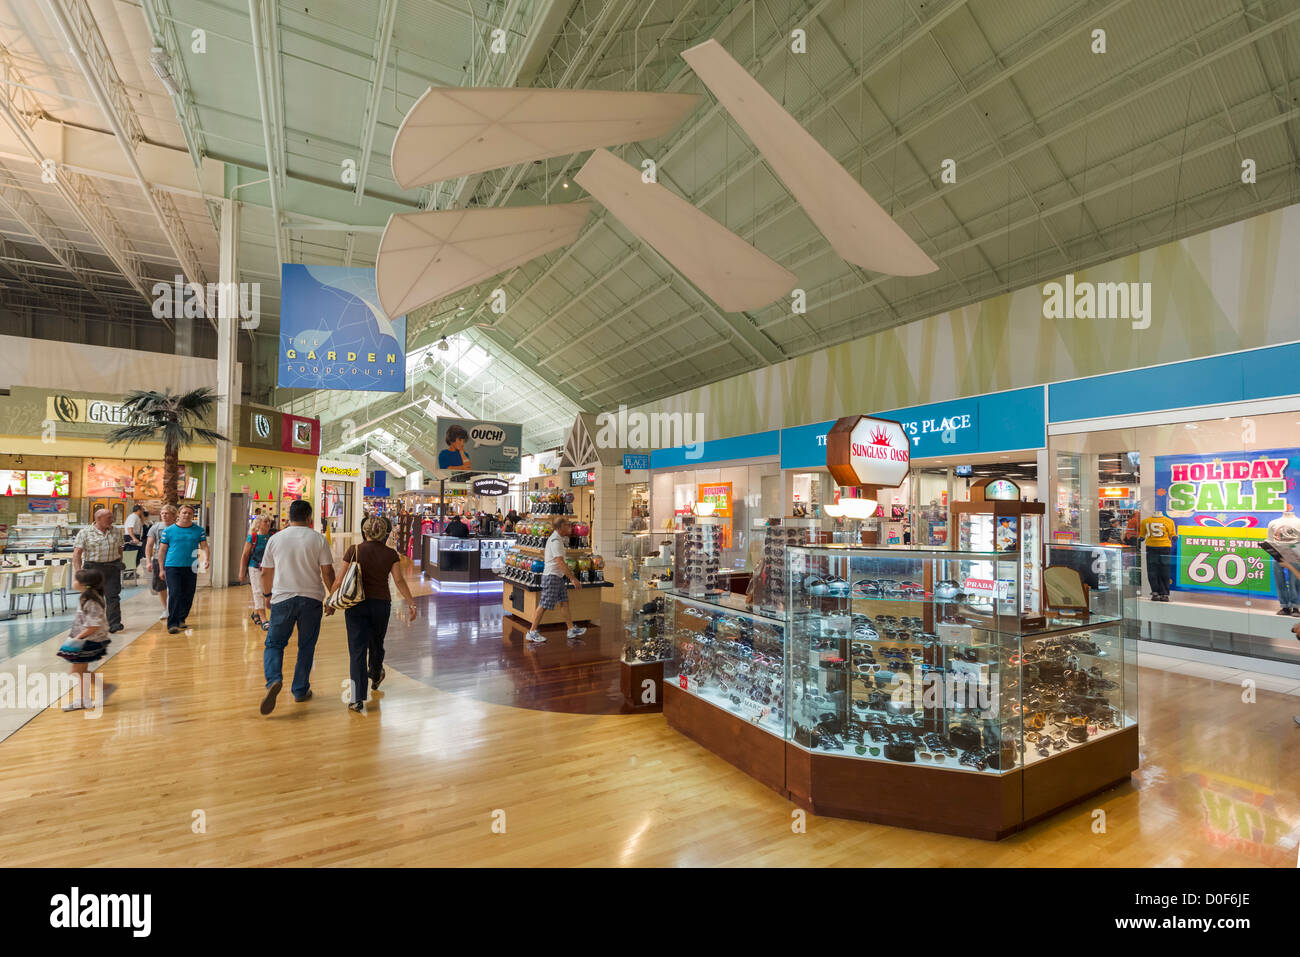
227,352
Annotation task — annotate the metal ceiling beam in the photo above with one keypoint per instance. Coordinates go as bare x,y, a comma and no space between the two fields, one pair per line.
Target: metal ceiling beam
378,66
852,325
80,195
33,219
632,306
158,18
274,170
878,60
1144,171
91,55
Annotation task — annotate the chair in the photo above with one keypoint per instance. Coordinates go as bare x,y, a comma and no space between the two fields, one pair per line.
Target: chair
131,559
41,581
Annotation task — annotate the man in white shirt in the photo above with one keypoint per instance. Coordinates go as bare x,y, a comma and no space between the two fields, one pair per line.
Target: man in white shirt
297,574
135,526
555,577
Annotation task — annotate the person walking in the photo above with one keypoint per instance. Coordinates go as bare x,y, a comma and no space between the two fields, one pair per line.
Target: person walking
297,574
157,581
88,640
555,590
98,547
250,567
182,553
367,621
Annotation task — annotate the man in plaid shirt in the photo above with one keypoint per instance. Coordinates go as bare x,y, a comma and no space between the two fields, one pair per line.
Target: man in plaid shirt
99,546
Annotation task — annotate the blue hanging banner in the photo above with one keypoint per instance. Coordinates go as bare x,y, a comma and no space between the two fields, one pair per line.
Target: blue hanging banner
334,334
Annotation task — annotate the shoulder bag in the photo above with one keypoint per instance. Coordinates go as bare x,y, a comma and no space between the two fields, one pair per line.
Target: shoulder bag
350,591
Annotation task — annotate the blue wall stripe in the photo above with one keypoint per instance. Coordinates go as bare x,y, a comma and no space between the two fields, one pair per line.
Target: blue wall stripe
753,446
1258,374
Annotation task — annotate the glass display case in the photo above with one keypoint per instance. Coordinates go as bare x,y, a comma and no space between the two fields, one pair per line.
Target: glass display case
730,657
894,656
646,615
891,665
35,539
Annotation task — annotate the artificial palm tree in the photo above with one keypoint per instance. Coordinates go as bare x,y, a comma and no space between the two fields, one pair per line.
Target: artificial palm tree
174,420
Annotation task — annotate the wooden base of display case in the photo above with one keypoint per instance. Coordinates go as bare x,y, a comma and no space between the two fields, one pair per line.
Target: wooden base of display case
947,801
966,803
758,753
521,601
632,679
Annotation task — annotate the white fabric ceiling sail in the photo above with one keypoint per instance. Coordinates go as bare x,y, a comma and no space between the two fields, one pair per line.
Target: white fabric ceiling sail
454,132
856,226
731,272
426,256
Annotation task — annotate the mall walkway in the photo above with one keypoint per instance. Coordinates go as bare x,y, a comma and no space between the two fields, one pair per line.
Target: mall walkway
182,769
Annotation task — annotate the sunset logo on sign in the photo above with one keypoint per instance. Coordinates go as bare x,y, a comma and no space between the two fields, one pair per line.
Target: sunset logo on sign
879,447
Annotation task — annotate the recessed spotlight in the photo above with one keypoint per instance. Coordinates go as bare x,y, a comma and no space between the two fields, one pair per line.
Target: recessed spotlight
565,184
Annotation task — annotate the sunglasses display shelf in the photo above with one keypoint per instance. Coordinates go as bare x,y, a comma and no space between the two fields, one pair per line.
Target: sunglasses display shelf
697,569
904,665
725,685
647,622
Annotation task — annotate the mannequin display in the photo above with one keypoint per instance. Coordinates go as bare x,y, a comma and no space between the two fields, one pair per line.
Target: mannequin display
1158,531
1284,535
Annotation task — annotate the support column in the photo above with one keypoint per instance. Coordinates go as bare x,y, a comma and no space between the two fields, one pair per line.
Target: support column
227,353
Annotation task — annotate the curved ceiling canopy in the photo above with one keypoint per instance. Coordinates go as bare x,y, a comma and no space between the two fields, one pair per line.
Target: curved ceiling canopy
856,226
452,132
426,256
731,272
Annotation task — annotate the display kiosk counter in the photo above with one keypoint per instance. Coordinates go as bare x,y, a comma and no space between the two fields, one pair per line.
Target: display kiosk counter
445,558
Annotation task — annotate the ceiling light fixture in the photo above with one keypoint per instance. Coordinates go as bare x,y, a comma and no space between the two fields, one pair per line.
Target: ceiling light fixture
161,63
444,345
858,508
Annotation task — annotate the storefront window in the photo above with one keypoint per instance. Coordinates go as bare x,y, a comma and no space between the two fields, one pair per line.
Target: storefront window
1222,489
336,505
736,492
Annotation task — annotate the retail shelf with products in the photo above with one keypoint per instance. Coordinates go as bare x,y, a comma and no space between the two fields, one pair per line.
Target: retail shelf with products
899,665
725,686
647,620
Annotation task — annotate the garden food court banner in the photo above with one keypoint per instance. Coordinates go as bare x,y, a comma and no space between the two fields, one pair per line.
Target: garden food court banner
334,334
1222,503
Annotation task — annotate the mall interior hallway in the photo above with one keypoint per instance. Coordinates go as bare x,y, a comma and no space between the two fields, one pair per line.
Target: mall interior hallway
474,726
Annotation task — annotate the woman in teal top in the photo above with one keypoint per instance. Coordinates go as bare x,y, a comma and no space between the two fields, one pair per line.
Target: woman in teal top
250,567
183,552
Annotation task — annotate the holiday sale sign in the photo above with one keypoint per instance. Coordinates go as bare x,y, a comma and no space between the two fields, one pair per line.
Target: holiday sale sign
1222,504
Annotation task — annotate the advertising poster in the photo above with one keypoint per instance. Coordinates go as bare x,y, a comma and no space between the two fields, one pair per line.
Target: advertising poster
108,477
13,482
148,481
334,334
42,505
479,446
1221,504
718,494
56,484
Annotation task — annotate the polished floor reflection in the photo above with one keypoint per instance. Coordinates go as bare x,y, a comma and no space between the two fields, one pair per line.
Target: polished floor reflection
465,643
182,770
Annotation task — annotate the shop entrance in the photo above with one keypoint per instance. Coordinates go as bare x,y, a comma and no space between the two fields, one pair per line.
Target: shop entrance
918,513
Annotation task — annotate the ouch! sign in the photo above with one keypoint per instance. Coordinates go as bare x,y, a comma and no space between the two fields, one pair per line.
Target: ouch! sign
861,450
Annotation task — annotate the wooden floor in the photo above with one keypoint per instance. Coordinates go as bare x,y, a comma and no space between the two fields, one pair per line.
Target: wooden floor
471,724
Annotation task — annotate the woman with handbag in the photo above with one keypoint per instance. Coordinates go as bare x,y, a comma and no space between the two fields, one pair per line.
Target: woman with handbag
363,593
